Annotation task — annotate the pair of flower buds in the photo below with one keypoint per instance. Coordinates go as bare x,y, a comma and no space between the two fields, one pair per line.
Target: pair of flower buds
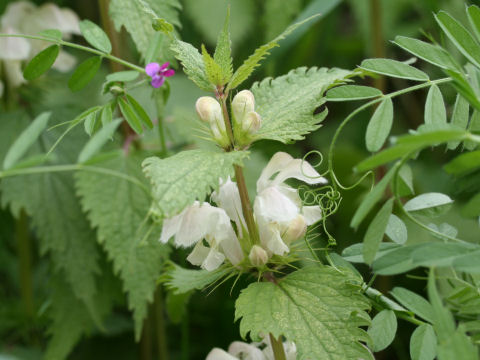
246,121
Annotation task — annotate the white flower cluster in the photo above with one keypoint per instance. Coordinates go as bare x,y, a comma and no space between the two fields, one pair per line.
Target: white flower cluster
240,350
24,17
278,210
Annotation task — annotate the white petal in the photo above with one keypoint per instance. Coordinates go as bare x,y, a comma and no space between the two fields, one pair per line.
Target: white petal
13,72
248,352
171,226
13,48
276,163
232,249
312,214
219,354
213,260
271,239
275,204
15,12
301,170
65,62
69,22
198,254
228,198
198,221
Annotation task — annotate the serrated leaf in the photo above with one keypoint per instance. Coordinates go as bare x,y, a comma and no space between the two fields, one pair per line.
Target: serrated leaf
25,140
435,112
213,70
460,36
287,104
142,114
432,53
375,231
180,280
393,68
130,115
352,92
429,204
460,116
193,64
372,198
383,329
423,343
95,36
98,140
379,126
413,302
181,179
396,230
253,61
132,15
41,63
84,73
223,51
312,307
118,206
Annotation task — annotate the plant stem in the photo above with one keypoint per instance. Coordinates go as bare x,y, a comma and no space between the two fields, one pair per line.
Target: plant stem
159,104
377,35
228,124
162,346
79,47
112,34
24,248
277,347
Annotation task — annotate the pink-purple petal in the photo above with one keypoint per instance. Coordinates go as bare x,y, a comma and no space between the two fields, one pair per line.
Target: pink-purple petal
157,81
164,66
168,73
152,69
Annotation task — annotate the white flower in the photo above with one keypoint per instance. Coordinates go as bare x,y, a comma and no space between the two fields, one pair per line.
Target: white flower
240,350
246,121
209,111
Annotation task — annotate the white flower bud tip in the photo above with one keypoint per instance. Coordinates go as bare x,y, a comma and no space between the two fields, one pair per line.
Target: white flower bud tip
252,122
296,229
208,108
242,104
258,256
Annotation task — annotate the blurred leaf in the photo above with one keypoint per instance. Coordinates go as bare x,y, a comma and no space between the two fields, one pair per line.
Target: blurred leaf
469,263
123,76
51,33
439,254
253,61
293,96
25,140
473,13
181,179
278,14
382,330
460,36
375,231
429,204
107,115
142,114
396,230
90,122
434,54
379,126
352,92
372,198
84,73
444,229
176,306
393,68
435,112
117,206
304,298
130,115
423,343
472,208
354,253
464,163
98,140
460,117
405,181
464,88
193,64
95,36
396,261
41,62
413,302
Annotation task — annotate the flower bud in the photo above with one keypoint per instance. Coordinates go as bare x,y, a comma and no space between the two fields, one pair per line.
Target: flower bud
209,111
251,123
242,104
258,256
296,230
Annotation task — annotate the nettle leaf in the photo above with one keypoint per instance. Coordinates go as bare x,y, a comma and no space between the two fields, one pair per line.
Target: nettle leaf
180,280
138,22
287,103
213,70
25,140
193,64
396,230
435,112
118,207
41,63
376,230
223,51
423,343
393,68
460,116
379,126
460,36
429,204
84,73
382,330
250,64
434,54
352,92
413,302
318,308
95,36
98,140
187,176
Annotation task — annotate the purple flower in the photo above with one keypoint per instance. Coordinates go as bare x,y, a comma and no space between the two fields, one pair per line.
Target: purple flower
158,73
